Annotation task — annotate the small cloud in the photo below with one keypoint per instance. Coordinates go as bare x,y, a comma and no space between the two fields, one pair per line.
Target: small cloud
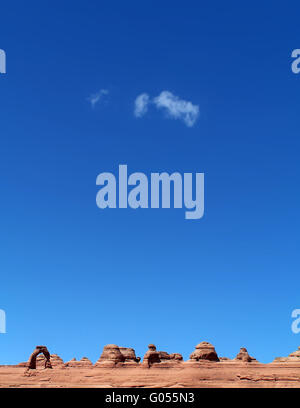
141,105
95,98
177,108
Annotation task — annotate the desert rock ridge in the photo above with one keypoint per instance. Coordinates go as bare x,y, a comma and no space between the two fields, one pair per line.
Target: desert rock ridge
119,367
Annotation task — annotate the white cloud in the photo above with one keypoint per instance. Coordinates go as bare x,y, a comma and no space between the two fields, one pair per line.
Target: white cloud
95,98
141,105
177,108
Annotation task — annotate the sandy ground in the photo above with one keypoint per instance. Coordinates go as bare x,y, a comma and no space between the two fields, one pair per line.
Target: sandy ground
229,375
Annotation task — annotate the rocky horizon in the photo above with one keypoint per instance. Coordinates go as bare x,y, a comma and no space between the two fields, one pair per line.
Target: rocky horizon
120,367
113,354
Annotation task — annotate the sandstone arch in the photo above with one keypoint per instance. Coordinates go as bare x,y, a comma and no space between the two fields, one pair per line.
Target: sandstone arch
38,350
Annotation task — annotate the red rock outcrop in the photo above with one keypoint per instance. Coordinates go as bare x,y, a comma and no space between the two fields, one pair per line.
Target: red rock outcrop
200,375
23,364
152,356
111,356
167,370
224,359
165,357
204,351
32,363
83,363
71,363
293,357
56,361
129,355
244,356
176,356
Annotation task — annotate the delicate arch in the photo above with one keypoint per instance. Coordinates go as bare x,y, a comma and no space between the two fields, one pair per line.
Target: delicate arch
38,350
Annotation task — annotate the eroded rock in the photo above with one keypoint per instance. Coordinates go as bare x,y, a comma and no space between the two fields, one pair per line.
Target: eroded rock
111,355
204,351
152,356
33,358
244,356
56,361
129,355
293,357
176,356
83,363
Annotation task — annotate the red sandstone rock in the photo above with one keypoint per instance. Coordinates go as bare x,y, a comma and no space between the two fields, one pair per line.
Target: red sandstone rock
56,361
71,363
163,355
163,358
151,356
227,373
204,351
33,359
83,363
244,356
23,364
176,356
205,374
129,355
166,357
293,357
224,359
111,355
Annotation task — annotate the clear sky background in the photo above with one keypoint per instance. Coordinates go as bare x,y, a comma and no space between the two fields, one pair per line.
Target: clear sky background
74,277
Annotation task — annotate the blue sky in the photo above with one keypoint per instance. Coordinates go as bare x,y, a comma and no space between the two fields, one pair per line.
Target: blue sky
74,277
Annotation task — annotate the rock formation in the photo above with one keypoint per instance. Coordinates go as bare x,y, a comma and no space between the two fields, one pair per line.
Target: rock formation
72,363
295,356
56,361
224,359
32,359
176,356
23,364
244,356
129,355
83,363
152,356
164,356
111,356
167,370
204,351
